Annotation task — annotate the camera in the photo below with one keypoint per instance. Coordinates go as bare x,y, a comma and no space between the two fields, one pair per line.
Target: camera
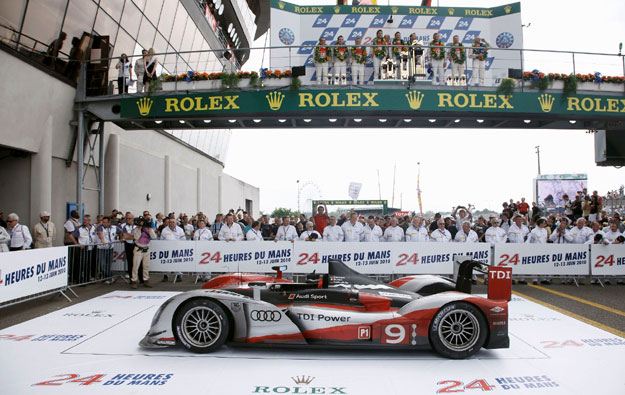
143,222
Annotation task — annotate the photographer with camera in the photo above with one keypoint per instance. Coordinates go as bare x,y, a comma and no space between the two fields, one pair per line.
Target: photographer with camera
143,234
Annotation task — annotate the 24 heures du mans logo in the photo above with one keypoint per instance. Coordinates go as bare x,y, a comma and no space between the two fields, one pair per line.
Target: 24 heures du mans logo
303,385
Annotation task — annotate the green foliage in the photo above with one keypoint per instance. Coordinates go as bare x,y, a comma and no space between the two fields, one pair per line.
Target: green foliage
229,80
541,84
570,86
282,211
296,83
254,80
506,87
155,85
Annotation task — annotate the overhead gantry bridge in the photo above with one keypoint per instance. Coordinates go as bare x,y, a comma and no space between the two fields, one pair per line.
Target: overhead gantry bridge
402,105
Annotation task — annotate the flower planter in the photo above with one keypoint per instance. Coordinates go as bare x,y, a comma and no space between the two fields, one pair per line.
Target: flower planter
207,84
182,85
277,82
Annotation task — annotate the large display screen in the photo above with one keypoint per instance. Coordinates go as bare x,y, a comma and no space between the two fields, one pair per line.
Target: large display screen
550,189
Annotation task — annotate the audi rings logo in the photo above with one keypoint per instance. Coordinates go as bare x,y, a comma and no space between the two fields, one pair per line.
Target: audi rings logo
265,315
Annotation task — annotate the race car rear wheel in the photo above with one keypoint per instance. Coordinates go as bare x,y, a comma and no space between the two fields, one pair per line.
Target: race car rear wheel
201,325
458,330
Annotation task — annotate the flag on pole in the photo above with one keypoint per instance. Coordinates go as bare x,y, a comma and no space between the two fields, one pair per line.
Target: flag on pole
354,190
419,188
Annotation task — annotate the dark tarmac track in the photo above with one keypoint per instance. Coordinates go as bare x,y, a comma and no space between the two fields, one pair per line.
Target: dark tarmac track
603,307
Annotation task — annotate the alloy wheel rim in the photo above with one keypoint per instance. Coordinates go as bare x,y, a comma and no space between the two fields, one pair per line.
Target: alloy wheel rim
201,326
459,330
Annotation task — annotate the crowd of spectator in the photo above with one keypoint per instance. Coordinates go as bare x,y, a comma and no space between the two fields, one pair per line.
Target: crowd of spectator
579,220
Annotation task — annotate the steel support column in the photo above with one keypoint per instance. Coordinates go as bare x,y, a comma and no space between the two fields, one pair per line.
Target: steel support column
80,159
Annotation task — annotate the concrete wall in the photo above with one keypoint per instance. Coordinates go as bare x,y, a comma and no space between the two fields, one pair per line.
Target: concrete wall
234,192
36,112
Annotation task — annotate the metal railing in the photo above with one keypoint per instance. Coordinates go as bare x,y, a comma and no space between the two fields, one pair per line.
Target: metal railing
286,57
283,58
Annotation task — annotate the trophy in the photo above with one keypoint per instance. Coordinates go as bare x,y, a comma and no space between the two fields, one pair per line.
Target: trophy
404,64
417,62
384,68
391,68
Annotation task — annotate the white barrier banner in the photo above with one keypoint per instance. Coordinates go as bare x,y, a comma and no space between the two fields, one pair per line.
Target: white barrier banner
433,258
29,272
244,256
607,260
173,256
543,259
118,263
369,258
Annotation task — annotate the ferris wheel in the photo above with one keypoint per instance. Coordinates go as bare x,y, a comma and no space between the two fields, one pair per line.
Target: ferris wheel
307,191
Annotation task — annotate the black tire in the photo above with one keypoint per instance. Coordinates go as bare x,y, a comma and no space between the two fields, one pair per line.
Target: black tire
458,330
201,325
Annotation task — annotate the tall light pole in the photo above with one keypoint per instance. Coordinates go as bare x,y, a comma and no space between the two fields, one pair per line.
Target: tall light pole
538,154
298,192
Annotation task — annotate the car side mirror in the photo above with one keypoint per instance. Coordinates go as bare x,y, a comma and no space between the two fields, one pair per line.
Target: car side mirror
256,287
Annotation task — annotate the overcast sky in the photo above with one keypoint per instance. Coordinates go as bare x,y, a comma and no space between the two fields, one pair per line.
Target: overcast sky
482,167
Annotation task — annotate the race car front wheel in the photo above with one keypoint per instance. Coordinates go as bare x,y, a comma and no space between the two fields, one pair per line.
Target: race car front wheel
458,330
201,325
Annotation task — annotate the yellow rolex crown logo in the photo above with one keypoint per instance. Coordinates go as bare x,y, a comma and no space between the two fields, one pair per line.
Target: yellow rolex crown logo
302,379
451,11
414,99
337,9
546,102
144,104
395,9
275,100
281,5
508,9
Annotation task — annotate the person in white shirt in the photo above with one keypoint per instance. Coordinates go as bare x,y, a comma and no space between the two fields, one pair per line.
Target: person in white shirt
107,234
352,229
611,233
517,233
254,234
466,234
538,235
230,231
518,230
306,235
596,231
128,235
333,232
70,225
464,215
202,233
20,235
581,234
495,234
371,231
394,232
286,231
187,227
4,240
440,234
172,232
417,232
84,264
561,234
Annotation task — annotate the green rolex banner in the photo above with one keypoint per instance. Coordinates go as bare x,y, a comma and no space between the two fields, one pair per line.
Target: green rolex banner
365,101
